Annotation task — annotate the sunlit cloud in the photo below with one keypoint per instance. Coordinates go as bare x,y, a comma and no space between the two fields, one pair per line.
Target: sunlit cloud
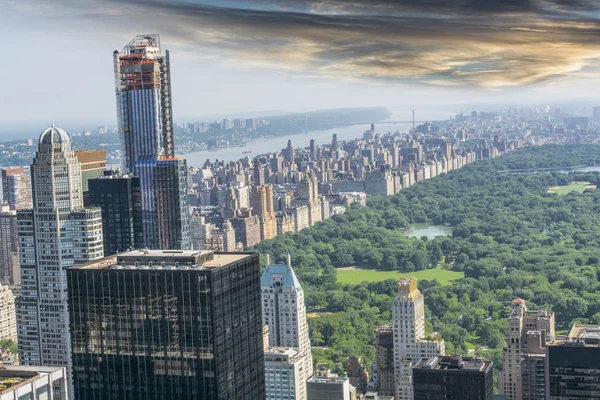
479,43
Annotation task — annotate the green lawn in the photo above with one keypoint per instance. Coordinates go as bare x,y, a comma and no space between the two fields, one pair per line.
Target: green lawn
354,277
574,186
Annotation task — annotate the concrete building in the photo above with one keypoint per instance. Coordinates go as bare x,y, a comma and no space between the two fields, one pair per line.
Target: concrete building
574,365
167,325
8,314
410,343
33,383
285,377
464,378
56,234
16,188
528,334
284,312
384,353
10,272
327,386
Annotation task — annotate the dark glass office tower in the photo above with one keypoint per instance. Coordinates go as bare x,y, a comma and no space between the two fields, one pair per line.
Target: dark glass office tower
161,325
118,196
443,378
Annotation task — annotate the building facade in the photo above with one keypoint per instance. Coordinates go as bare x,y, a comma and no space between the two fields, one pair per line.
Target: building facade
285,378
144,113
574,365
464,378
167,325
284,313
56,234
119,198
34,383
524,357
10,272
164,202
8,314
384,351
16,188
144,108
410,343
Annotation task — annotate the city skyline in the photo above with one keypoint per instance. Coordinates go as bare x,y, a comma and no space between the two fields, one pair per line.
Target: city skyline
401,54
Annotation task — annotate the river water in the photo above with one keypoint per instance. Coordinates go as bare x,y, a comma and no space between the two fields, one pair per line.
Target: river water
276,143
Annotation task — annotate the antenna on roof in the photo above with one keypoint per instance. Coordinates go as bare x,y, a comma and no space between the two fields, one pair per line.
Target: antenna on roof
289,264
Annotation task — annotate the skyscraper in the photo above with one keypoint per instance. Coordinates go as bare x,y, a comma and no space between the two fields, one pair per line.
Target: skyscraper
524,357
384,351
144,112
167,325
9,247
410,343
456,377
144,109
55,235
574,365
118,196
284,312
16,188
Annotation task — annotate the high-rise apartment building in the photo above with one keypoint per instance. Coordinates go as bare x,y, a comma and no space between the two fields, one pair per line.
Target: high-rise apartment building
384,351
167,325
8,315
10,272
574,365
16,188
284,312
118,196
456,377
410,343
285,378
325,385
55,235
524,360
144,108
144,112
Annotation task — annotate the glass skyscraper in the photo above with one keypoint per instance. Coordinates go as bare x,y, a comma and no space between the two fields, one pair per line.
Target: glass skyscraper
144,112
56,234
162,325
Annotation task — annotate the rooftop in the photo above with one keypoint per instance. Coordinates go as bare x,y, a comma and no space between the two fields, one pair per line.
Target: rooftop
14,376
583,335
165,260
453,363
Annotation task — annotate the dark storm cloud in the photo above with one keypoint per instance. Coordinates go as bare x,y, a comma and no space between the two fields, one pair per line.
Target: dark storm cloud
463,42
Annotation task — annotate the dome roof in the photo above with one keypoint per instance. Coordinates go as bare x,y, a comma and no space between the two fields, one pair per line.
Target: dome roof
54,135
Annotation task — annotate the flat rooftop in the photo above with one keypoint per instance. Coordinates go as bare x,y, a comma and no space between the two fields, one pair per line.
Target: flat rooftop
453,363
13,377
582,335
165,260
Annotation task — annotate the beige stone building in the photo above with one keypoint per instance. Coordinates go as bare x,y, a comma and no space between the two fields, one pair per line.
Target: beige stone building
8,316
410,343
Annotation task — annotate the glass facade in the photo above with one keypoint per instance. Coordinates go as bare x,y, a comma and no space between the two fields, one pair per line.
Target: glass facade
119,198
167,332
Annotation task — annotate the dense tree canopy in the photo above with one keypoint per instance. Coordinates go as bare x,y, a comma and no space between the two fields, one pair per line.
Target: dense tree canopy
510,237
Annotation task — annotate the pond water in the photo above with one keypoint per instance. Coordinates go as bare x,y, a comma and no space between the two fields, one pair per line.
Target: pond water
429,230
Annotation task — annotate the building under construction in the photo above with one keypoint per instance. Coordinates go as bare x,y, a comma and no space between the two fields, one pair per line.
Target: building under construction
143,91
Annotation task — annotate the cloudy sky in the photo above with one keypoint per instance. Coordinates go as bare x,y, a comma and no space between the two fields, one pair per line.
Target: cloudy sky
232,56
